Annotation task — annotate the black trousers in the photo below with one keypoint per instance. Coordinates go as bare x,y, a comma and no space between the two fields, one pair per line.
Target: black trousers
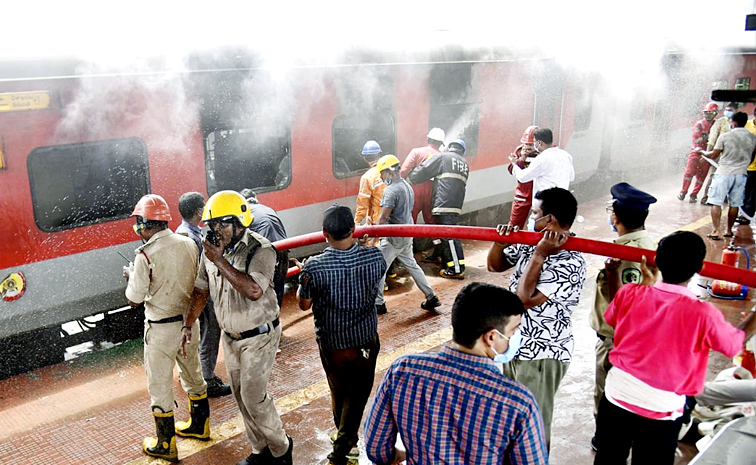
350,374
451,249
750,194
279,276
653,442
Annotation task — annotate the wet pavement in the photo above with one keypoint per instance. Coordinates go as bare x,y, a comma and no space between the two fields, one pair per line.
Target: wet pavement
95,409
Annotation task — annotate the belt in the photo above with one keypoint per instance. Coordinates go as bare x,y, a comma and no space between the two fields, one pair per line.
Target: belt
262,329
170,319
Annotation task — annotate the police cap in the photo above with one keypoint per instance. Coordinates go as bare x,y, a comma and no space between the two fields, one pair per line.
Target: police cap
628,196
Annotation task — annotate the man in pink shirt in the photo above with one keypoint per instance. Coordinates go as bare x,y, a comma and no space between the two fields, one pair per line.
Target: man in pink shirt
662,338
424,190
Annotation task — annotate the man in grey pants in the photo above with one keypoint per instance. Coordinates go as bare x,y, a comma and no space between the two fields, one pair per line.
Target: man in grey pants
396,208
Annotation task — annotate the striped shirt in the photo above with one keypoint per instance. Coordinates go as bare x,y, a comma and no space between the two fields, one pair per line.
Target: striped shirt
453,407
343,285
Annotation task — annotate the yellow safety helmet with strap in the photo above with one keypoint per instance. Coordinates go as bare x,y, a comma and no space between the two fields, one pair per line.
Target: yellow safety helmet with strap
225,205
387,162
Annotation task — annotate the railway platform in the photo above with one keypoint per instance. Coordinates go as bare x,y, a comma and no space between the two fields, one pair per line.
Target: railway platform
95,409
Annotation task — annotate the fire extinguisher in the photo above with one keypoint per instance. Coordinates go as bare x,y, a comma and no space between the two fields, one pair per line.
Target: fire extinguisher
727,290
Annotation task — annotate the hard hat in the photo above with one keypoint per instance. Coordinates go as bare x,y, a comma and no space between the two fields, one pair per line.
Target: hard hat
387,162
711,106
436,134
225,205
528,136
458,142
370,148
152,207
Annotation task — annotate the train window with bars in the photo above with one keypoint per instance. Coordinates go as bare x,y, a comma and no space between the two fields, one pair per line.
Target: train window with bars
351,131
93,182
454,103
240,158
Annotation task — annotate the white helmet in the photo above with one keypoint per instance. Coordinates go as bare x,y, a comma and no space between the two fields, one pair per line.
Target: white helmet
436,134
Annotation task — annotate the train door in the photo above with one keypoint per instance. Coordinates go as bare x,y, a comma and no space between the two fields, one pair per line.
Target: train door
454,103
548,86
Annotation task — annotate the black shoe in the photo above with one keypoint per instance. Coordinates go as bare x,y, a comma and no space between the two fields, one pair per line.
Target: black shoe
593,444
263,458
741,220
451,275
285,459
693,199
431,304
381,309
217,388
681,196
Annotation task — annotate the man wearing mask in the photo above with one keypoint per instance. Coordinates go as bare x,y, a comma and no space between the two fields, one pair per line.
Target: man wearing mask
697,166
719,127
419,395
551,168
548,280
627,215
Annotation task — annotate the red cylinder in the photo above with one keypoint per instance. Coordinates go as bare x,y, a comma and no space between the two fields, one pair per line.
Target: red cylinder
729,256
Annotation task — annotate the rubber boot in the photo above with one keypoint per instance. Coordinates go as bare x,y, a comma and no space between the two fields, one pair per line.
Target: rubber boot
198,426
164,445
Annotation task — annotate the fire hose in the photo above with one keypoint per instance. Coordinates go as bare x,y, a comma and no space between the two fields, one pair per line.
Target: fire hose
578,244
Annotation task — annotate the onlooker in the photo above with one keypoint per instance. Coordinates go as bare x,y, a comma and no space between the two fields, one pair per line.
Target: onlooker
627,216
396,208
161,277
523,194
696,166
423,191
734,152
237,268
341,286
551,168
548,280
265,222
455,406
190,206
645,392
749,203
450,171
720,126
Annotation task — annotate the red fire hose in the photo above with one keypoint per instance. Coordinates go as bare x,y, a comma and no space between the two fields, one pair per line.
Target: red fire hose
607,249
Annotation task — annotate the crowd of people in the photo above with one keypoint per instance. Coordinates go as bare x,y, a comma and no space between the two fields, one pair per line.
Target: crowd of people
488,396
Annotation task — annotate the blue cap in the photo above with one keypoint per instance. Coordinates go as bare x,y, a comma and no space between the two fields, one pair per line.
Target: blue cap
371,148
628,196
459,142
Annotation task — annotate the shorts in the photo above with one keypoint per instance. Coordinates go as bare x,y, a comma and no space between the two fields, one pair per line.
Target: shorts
727,186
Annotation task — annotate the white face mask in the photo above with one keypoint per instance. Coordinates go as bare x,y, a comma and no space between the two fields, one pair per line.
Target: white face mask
535,147
514,346
532,223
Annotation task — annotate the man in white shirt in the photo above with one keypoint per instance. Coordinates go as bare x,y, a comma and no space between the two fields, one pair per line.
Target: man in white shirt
551,168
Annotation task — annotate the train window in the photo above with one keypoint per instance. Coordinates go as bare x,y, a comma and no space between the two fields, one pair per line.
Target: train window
351,131
80,184
454,103
240,158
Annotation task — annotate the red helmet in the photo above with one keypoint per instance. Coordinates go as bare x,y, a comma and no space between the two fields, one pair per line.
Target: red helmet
711,106
527,136
152,207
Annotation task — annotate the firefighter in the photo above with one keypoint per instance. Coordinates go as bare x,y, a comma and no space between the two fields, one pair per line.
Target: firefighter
523,195
162,277
696,165
237,268
423,191
450,171
371,189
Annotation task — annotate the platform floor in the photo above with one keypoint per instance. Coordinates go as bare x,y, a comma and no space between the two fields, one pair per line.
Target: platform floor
95,409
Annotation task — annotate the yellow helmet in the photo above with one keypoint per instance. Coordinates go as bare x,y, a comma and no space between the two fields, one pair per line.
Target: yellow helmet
386,162
225,205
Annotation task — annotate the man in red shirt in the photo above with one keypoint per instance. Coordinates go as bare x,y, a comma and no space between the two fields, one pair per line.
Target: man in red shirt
424,190
696,165
523,194
662,338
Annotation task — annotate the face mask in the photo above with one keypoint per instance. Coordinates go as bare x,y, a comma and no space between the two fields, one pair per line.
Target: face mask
514,346
535,147
532,223
387,182
728,113
611,225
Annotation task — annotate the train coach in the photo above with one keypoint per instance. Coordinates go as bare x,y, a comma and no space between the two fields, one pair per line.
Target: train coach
78,148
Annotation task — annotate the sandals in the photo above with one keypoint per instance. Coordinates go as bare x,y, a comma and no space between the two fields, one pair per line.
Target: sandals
728,235
713,237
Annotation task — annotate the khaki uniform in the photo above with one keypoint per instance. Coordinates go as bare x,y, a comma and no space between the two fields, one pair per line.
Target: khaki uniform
629,273
163,278
249,361
369,199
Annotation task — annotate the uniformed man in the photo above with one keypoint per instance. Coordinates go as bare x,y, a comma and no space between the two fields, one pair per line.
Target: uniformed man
162,277
450,171
523,195
423,191
627,216
237,269
371,189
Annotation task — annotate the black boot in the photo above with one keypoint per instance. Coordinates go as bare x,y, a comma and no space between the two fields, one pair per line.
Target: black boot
164,445
285,459
198,426
217,388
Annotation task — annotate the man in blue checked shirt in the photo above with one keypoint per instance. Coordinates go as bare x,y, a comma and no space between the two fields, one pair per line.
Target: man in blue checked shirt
456,406
341,285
